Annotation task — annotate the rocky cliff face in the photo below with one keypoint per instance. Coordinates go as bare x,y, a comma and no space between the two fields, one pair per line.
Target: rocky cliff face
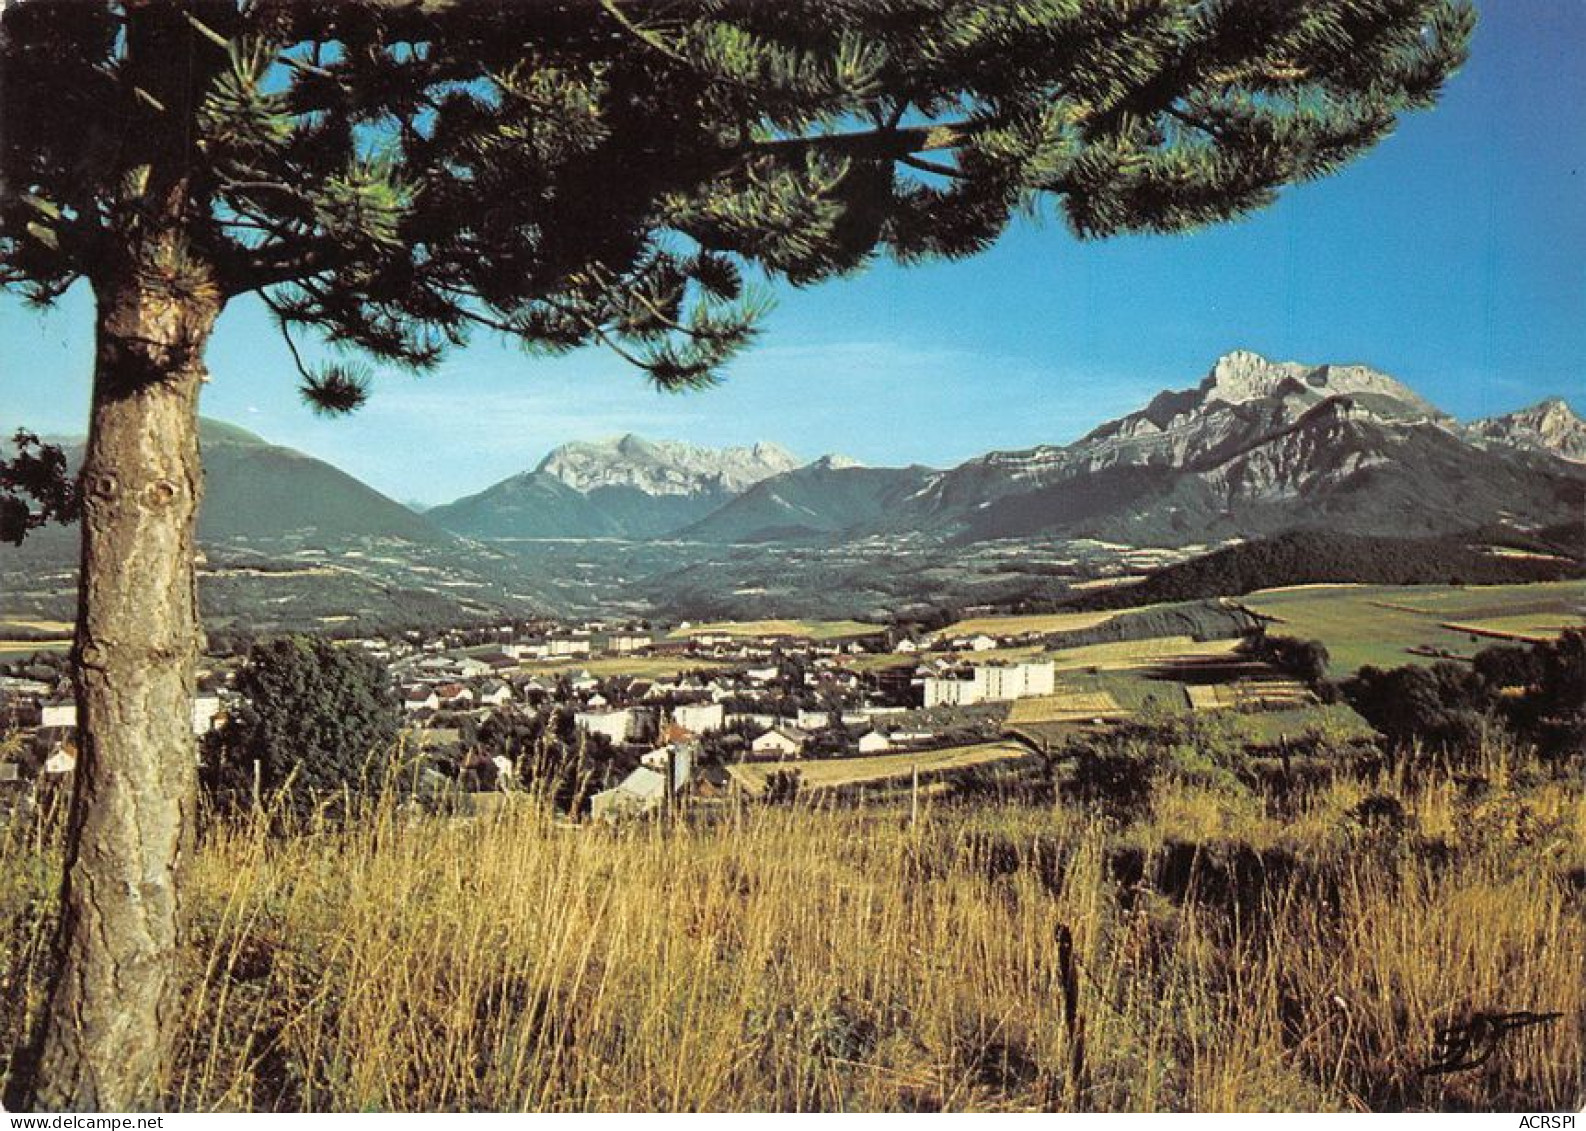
664,467
1260,443
1551,427
1245,401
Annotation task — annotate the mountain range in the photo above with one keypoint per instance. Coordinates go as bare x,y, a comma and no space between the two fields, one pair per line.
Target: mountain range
1256,447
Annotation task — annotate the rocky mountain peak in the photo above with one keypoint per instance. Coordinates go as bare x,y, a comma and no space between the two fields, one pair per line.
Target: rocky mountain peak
834,462
1550,426
1243,376
664,467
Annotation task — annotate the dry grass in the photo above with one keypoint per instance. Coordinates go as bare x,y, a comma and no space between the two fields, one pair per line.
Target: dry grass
1225,958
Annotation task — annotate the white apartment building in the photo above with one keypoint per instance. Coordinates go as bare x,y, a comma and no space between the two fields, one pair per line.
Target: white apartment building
992,683
700,717
615,725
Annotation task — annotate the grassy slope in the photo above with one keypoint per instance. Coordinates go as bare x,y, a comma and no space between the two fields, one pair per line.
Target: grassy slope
1372,624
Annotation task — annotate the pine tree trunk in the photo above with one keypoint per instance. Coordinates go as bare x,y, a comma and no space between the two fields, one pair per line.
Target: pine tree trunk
105,1041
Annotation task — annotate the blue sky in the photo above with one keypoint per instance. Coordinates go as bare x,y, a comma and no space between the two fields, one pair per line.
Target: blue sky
1453,257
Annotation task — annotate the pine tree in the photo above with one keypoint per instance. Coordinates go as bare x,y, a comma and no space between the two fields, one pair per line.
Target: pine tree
395,176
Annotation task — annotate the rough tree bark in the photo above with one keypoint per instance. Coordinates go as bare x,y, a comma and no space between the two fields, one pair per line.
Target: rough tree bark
105,1040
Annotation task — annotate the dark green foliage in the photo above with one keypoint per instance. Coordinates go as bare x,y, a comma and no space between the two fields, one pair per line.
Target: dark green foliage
1430,705
1117,784
1305,660
1307,557
1380,813
1447,706
1553,711
34,488
317,717
397,176
1509,666
1118,770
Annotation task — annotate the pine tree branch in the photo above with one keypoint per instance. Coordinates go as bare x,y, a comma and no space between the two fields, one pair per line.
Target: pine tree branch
935,167
287,261
645,36
892,142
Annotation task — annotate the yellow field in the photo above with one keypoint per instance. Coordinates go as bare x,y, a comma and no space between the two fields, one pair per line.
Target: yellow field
1035,622
1068,705
1107,582
62,627
1125,655
808,629
829,773
1257,693
1211,697
28,647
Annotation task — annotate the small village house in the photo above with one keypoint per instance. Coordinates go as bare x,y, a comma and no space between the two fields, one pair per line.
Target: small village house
780,742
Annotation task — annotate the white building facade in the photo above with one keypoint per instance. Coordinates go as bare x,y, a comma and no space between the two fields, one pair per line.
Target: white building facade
992,683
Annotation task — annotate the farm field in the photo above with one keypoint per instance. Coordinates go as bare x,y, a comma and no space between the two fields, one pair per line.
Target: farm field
53,627
1258,694
832,773
1068,705
12,649
806,629
1338,721
1382,624
1127,655
22,635
1524,628
639,667
1035,622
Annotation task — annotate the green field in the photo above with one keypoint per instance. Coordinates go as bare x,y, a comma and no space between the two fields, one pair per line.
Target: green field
639,667
1384,625
1337,721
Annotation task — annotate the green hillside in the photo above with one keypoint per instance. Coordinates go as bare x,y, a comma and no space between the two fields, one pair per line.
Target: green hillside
255,490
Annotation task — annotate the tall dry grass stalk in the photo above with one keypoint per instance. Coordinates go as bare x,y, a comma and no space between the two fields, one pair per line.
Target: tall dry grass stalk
1219,957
